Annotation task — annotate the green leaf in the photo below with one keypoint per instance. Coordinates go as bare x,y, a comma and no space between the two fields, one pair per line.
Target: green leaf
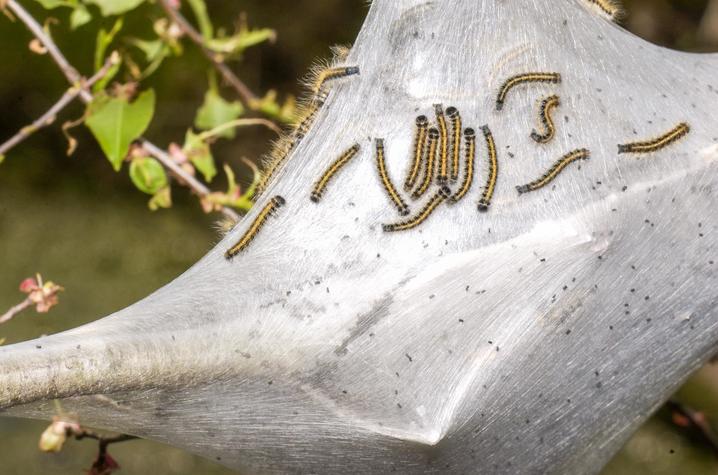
115,123
104,38
216,111
199,8
2,158
234,45
148,175
200,155
151,48
161,199
79,16
115,7
50,4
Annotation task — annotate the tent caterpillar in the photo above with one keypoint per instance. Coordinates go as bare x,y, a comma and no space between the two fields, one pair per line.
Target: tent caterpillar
441,195
386,181
611,8
485,199
658,143
556,168
470,153
553,78
422,124
443,171
429,168
272,205
547,105
343,159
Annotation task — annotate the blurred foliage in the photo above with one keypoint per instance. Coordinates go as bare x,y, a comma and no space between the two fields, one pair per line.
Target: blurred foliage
76,220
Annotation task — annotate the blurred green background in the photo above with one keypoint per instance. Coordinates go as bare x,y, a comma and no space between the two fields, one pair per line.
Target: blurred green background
77,222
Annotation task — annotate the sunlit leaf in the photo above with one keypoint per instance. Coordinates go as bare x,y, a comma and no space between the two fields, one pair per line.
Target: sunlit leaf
151,48
198,152
115,123
79,16
104,38
234,45
50,4
115,7
216,111
148,175
199,8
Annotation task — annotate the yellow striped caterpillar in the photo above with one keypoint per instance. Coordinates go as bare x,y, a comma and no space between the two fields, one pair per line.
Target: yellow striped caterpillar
485,199
422,125
470,153
441,195
453,114
270,208
547,105
658,143
443,171
556,168
343,159
611,8
513,81
386,181
430,158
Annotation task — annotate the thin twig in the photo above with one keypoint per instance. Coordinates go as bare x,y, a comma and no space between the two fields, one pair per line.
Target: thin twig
14,310
49,117
698,421
245,94
239,123
75,79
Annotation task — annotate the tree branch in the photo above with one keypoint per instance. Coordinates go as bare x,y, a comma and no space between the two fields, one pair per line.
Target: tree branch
245,94
49,117
14,310
86,96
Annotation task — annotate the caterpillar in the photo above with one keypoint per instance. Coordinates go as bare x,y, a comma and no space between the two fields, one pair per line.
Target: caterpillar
441,195
611,8
488,193
422,124
270,208
556,168
470,153
323,74
553,78
386,181
453,114
343,159
443,171
547,105
658,143
429,168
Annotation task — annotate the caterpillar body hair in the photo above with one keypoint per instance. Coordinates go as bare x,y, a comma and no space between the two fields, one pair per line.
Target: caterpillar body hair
321,184
322,75
441,195
430,158
488,193
611,8
453,114
270,208
386,181
276,159
443,169
513,81
422,125
556,168
547,105
470,154
658,143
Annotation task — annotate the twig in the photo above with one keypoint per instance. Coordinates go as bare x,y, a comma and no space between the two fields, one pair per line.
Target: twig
239,123
245,94
75,79
14,310
103,439
49,117
697,419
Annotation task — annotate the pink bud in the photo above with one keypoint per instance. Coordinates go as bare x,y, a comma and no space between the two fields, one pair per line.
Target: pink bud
28,285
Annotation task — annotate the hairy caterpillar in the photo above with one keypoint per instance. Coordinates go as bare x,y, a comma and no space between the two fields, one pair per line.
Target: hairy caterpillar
343,159
547,105
453,114
513,81
422,124
429,166
611,8
658,143
386,181
470,153
485,199
272,205
556,168
441,195
443,171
